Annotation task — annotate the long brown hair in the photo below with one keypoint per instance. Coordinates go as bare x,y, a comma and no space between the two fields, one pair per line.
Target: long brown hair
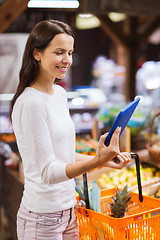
39,38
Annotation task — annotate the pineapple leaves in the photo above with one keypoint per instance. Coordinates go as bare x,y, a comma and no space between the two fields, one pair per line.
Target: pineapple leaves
120,202
94,194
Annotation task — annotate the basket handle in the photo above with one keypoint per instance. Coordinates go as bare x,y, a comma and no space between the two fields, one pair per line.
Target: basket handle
151,127
85,184
135,155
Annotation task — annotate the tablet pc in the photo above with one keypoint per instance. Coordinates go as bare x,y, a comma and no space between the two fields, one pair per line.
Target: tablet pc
122,119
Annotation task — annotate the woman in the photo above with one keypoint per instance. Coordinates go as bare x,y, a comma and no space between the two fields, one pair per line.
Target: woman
46,138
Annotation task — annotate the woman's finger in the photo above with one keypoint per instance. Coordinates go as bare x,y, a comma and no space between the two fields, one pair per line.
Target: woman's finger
115,136
124,156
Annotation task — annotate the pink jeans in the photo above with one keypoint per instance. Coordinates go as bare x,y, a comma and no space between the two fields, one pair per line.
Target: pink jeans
47,226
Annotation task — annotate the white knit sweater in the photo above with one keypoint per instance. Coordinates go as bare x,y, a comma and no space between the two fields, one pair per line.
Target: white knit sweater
45,136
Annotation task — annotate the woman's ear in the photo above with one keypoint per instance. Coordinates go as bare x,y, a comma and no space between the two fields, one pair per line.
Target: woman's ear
36,54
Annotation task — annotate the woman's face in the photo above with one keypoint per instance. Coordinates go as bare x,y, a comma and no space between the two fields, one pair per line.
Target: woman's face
56,59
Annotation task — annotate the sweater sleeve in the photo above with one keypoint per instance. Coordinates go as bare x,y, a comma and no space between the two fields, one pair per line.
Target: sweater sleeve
38,140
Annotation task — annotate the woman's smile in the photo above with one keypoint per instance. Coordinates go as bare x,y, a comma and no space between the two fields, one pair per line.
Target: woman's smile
62,69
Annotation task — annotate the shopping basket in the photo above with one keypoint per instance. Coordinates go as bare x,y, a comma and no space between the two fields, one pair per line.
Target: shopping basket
142,221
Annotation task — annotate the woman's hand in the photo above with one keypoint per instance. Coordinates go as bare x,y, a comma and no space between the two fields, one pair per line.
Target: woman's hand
105,154
121,161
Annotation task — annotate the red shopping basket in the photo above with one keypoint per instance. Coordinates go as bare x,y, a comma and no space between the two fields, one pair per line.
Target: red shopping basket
142,221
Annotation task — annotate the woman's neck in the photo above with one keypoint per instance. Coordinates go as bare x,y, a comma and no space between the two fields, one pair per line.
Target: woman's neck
46,87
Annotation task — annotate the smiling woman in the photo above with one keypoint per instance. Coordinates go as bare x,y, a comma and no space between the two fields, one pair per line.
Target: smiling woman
45,136
47,56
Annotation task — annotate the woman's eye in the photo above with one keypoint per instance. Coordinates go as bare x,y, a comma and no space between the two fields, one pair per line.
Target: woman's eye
60,53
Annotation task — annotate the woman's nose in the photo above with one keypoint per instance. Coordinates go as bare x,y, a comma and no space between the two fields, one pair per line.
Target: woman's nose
67,58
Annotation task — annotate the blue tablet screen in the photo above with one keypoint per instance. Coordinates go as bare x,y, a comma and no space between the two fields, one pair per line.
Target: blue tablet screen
122,119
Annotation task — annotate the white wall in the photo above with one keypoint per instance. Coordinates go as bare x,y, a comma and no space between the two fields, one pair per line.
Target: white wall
11,52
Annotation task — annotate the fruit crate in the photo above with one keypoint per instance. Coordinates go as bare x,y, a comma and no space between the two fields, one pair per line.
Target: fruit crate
141,222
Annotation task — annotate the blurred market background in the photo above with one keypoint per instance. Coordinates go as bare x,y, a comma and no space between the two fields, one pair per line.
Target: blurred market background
116,59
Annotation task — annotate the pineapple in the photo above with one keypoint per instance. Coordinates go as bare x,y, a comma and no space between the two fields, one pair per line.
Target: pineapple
120,203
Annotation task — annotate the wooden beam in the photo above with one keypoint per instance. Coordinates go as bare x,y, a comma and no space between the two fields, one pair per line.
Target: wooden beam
112,30
130,29
9,11
129,7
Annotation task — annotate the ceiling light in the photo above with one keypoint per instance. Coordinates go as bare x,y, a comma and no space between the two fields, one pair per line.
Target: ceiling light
53,4
117,17
87,15
87,21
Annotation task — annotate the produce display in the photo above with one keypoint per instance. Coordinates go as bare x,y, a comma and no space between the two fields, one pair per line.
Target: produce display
86,145
158,193
138,122
149,175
